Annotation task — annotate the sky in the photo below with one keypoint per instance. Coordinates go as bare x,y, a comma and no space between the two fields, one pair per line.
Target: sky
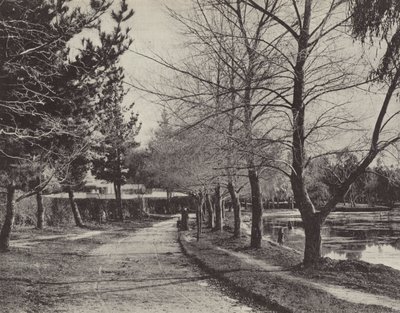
153,32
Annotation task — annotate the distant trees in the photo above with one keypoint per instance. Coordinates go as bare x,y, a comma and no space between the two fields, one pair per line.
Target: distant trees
333,174
165,159
179,160
384,184
378,185
116,137
185,161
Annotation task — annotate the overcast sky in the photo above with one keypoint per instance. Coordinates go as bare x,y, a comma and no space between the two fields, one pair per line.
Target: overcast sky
153,31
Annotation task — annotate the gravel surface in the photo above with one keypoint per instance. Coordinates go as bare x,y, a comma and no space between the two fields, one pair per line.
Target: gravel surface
145,272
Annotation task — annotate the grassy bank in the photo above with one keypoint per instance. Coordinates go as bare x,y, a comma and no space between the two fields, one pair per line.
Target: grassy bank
272,275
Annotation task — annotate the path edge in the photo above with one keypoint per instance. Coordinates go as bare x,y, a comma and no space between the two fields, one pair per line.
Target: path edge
248,293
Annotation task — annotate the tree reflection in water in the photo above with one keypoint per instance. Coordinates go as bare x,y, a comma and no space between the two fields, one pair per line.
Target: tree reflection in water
372,236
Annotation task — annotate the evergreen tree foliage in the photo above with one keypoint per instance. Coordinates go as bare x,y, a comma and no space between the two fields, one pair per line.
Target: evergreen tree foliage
116,138
115,135
34,56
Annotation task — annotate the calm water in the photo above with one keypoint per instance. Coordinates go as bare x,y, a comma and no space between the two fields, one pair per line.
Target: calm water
371,237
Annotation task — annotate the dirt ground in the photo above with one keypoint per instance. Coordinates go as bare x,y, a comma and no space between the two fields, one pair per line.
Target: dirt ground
119,268
272,274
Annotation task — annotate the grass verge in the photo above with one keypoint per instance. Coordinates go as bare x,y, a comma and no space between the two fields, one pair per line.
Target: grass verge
278,292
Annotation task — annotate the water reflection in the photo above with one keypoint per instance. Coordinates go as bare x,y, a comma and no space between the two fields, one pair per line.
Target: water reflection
376,254
372,237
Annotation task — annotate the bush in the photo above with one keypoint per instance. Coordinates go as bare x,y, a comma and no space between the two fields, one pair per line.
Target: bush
58,210
93,208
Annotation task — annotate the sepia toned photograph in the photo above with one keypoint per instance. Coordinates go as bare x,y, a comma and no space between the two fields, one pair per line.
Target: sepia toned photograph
199,156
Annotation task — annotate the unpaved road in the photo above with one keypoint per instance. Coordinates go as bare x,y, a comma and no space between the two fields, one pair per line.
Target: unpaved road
144,272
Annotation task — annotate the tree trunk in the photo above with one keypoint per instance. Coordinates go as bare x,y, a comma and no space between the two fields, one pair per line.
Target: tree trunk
184,219
256,199
40,210
256,212
312,251
199,217
169,196
237,218
203,211
9,219
117,187
144,208
75,209
313,220
219,222
312,232
118,197
120,207
211,212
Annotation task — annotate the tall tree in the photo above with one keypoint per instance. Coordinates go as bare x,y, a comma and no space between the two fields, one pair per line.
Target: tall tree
226,90
117,135
93,82
312,35
116,138
33,38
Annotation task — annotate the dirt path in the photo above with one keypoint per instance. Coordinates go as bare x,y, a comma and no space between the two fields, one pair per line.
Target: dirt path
144,272
24,243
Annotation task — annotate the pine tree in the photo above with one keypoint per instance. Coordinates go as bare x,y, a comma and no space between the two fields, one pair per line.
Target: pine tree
34,36
115,135
116,138
82,82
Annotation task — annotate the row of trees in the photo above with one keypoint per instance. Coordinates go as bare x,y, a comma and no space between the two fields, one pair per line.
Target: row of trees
267,88
60,107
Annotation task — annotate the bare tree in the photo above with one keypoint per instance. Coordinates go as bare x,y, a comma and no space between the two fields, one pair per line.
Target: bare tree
310,33
226,88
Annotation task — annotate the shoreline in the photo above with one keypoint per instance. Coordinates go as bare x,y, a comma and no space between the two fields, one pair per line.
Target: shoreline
272,275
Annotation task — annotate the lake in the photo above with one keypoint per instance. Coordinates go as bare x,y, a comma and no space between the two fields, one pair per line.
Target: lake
371,236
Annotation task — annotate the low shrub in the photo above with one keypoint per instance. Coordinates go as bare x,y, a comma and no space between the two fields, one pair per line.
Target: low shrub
58,210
